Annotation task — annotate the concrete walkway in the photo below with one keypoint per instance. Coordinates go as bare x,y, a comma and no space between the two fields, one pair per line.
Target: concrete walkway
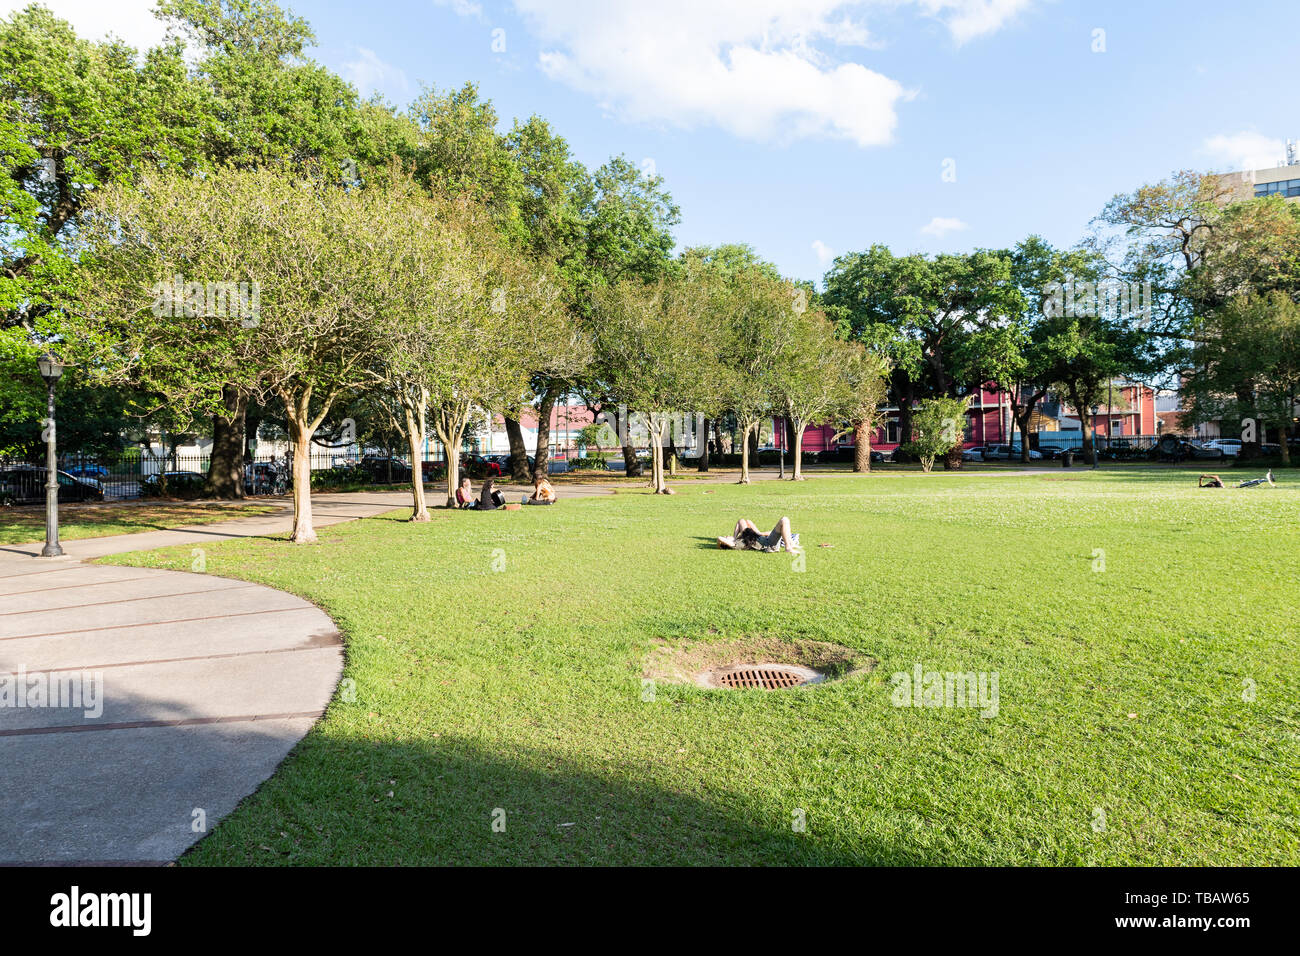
139,706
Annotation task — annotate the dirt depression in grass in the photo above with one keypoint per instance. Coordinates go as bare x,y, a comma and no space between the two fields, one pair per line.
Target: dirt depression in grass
683,662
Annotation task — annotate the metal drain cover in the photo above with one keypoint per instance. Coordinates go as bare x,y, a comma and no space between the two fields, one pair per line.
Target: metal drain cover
762,676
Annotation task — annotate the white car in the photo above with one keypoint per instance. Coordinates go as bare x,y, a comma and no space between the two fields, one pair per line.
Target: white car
1231,447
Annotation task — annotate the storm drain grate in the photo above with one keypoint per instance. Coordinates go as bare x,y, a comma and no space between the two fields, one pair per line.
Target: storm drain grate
761,678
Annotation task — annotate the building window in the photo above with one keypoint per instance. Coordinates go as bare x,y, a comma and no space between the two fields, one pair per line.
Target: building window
1287,187
1117,426
891,431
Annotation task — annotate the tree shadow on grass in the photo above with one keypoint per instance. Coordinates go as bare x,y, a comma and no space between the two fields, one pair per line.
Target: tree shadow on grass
330,804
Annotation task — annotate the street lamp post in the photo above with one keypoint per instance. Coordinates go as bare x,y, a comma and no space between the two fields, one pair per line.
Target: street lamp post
51,370
1095,410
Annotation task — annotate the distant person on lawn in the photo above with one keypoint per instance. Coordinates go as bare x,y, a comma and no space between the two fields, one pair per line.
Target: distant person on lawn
490,498
543,494
747,537
465,495
1214,481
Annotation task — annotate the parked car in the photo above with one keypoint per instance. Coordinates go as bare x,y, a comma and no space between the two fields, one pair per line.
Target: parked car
382,468
480,466
88,470
26,485
878,457
1231,447
175,484
1205,452
972,454
507,464
1053,452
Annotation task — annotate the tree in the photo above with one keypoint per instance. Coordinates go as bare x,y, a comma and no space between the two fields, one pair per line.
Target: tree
945,322
267,104
937,424
866,389
731,265
627,221
1027,376
811,378
1200,251
652,342
464,325
755,311
160,299
1245,365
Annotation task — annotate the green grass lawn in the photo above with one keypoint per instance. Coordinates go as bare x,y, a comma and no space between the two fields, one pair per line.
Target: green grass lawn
1148,713
21,525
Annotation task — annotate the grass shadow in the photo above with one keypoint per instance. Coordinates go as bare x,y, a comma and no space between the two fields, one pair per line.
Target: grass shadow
435,802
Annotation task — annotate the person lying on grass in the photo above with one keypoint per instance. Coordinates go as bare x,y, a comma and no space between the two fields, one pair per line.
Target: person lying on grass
1214,481
746,537
543,494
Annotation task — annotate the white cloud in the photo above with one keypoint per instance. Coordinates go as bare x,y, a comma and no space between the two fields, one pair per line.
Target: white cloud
768,70
825,254
129,20
1244,150
463,8
940,226
968,19
370,74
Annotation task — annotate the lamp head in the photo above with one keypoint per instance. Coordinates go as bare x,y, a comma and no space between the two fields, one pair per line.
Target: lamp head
51,368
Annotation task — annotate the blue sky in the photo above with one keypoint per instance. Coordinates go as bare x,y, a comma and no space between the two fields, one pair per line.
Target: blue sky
809,128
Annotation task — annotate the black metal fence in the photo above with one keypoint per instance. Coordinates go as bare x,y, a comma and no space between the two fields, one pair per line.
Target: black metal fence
133,474
137,474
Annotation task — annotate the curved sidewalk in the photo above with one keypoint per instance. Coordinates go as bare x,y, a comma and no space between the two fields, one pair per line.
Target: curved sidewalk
139,706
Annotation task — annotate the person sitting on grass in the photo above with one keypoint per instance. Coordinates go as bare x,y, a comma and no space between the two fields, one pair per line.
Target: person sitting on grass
747,537
1214,481
543,494
490,498
465,495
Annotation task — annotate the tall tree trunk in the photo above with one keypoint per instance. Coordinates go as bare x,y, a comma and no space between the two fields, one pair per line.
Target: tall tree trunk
655,426
518,452
745,449
703,463
752,438
226,464
542,454
797,429
300,430
631,463
449,425
904,421
415,437
861,445
1085,424
1022,422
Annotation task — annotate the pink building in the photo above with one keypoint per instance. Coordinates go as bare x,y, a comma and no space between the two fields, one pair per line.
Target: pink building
989,421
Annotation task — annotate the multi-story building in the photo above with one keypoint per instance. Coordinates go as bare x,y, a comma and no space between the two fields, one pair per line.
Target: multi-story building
1127,411
1282,180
